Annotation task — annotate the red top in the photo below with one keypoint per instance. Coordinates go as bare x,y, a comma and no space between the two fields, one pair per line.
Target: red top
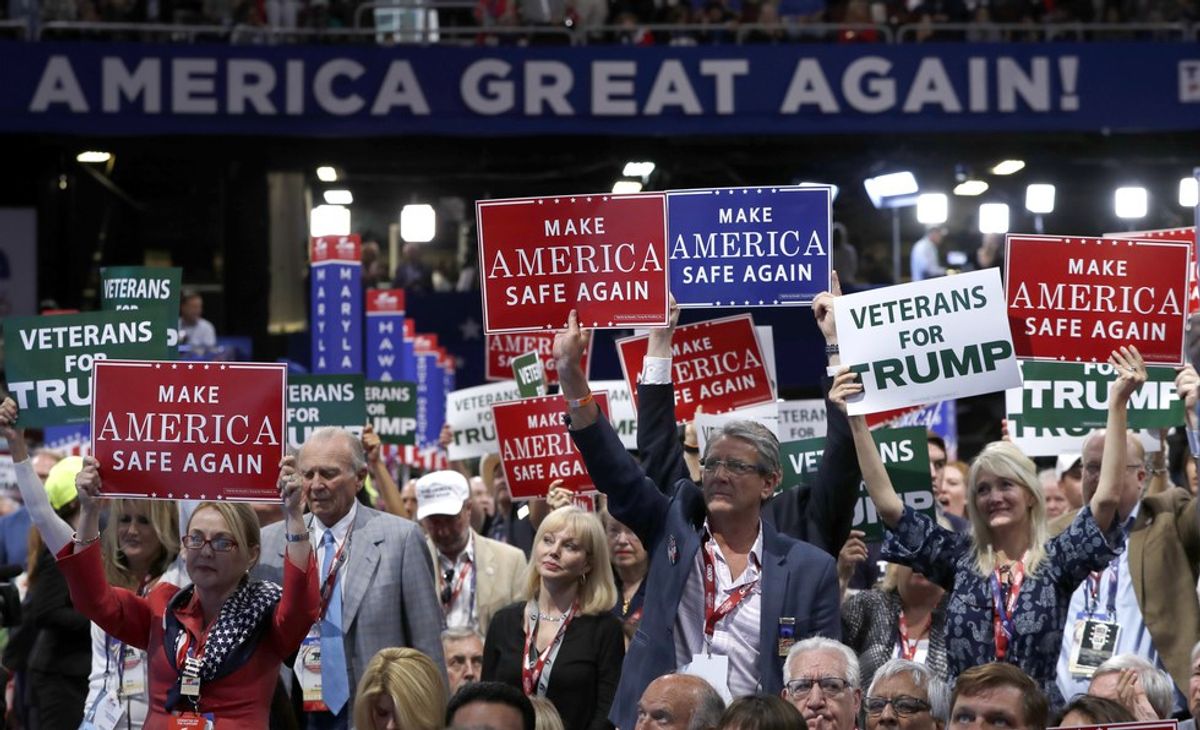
238,701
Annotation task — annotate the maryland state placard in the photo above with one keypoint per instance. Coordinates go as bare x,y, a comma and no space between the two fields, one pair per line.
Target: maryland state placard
168,430
1076,299
603,255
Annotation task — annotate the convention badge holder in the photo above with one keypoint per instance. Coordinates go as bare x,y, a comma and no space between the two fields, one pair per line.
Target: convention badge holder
787,634
1093,642
190,721
712,668
308,670
105,713
133,672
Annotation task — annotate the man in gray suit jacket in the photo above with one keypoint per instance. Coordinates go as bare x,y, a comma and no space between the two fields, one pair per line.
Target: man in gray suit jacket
381,592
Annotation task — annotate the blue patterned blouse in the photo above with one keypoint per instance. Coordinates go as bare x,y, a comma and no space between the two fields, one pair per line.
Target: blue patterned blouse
945,558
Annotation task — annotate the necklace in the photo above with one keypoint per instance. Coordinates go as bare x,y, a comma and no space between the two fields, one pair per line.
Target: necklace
555,619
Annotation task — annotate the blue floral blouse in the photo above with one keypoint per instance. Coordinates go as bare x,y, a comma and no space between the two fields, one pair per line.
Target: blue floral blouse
945,558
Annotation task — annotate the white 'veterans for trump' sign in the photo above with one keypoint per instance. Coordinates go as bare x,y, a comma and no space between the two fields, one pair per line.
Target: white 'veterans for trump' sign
927,341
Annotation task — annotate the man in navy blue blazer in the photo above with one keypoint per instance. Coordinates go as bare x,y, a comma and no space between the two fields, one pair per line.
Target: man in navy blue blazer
726,595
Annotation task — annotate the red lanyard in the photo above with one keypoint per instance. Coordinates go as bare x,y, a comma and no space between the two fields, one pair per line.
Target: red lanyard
460,579
531,670
908,650
1003,626
712,612
331,580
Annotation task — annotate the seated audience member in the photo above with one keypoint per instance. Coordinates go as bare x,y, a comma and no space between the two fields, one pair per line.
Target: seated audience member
679,702
996,695
463,649
760,712
547,716
1142,688
401,689
563,642
476,576
821,678
1009,553
764,587
906,695
1089,710
902,618
490,706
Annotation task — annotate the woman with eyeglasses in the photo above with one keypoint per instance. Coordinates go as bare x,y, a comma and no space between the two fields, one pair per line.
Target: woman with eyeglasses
563,642
1007,575
216,646
906,695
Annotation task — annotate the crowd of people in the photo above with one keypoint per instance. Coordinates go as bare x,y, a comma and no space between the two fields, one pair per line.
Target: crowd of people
699,596
625,21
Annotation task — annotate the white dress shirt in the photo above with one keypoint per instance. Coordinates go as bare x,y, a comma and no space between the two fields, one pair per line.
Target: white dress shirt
735,636
341,529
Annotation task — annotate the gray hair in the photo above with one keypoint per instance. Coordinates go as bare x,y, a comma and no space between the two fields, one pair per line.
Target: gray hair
937,692
358,457
755,434
706,713
1159,687
460,633
820,643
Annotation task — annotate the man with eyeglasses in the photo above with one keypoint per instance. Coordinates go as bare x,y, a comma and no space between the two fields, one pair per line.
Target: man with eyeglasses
906,695
476,576
727,595
377,583
821,679
1134,606
997,696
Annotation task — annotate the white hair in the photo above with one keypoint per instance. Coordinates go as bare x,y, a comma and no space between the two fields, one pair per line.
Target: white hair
820,643
1159,687
937,692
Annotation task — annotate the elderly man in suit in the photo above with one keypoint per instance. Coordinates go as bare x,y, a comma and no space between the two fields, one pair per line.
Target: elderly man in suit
377,582
1144,601
727,594
475,576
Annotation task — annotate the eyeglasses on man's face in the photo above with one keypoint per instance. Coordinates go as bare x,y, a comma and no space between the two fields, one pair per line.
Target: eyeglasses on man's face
829,686
903,705
733,466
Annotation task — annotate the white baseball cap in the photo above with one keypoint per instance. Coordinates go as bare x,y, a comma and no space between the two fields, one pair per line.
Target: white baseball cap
441,493
1064,464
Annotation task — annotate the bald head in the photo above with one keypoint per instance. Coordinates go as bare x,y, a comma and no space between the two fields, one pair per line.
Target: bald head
1135,468
679,702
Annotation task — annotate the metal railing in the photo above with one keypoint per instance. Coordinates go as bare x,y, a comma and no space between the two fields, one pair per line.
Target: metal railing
426,31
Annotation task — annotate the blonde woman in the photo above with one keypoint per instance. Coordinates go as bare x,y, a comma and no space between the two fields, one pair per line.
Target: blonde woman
1010,584
400,688
139,550
563,643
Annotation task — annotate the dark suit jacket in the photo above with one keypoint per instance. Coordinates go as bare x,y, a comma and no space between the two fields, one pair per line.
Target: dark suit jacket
798,580
584,678
1164,560
820,514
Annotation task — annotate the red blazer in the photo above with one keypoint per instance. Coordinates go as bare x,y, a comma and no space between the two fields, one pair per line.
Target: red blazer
238,701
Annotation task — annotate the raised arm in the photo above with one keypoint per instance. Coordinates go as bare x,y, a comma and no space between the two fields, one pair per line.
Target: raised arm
831,504
632,497
879,485
1130,374
662,457
382,476
55,531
